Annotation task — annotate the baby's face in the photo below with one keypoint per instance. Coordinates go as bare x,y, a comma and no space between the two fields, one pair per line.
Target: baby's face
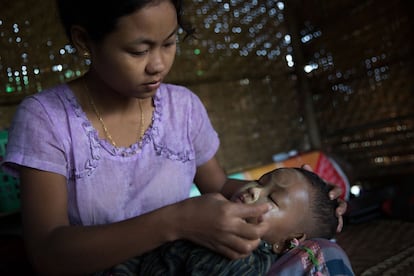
288,192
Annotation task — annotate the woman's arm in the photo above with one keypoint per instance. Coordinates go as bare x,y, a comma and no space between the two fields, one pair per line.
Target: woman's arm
57,248
211,178
239,237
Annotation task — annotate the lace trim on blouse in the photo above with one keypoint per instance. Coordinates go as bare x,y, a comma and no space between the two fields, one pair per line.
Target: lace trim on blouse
151,134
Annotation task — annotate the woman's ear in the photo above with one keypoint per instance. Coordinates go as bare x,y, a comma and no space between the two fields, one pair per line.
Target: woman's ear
80,40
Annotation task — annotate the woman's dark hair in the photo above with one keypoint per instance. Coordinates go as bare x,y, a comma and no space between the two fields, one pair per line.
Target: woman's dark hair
323,208
99,18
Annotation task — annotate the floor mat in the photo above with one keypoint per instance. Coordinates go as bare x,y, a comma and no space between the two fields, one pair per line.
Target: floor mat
379,247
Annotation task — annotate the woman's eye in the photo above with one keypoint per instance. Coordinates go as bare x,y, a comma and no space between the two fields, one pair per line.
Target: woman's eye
139,53
169,44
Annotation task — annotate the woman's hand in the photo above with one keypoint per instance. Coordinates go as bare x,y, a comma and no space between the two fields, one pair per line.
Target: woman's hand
335,193
219,224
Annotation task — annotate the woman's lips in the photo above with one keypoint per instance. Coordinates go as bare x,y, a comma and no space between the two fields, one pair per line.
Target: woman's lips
152,85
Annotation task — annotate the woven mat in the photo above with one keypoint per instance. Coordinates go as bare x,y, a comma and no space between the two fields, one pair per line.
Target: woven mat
379,247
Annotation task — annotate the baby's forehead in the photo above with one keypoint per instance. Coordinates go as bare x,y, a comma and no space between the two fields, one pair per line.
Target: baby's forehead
283,174
285,177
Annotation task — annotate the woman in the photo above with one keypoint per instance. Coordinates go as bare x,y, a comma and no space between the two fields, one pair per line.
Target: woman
106,161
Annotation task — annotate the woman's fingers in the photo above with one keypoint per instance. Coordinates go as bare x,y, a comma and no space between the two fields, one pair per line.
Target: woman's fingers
340,224
342,205
221,225
307,167
335,192
245,211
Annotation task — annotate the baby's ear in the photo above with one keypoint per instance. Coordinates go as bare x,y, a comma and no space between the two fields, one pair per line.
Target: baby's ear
290,242
295,240
300,237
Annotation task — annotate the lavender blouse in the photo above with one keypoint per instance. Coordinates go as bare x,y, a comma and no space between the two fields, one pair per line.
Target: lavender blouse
50,132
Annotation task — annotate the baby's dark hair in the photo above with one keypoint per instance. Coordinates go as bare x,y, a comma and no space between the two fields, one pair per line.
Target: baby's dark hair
322,207
99,18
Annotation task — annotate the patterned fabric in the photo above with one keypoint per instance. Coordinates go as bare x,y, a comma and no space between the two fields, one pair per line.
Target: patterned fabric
185,258
314,257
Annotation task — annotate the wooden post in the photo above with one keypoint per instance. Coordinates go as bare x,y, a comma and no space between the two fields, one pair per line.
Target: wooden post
305,94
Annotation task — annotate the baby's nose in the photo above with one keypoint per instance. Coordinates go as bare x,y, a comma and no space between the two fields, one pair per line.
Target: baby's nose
254,193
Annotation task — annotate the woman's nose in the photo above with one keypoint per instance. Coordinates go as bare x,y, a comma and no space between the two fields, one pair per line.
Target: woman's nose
156,63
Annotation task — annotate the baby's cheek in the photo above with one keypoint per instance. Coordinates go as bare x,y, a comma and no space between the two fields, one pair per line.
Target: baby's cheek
273,214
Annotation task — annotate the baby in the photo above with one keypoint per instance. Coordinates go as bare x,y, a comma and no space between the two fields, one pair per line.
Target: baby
301,210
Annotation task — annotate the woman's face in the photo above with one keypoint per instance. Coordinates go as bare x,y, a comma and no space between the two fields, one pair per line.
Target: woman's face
135,58
288,192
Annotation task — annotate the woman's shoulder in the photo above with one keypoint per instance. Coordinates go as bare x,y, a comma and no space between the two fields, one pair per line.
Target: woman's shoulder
53,102
53,98
50,93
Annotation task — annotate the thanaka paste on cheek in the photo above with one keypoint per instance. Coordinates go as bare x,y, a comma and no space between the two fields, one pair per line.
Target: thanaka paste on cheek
272,212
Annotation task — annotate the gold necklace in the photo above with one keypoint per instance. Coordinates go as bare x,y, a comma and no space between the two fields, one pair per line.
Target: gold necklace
105,129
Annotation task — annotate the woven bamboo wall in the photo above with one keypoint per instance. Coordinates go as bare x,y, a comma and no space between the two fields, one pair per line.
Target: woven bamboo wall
34,54
234,66
363,88
240,67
